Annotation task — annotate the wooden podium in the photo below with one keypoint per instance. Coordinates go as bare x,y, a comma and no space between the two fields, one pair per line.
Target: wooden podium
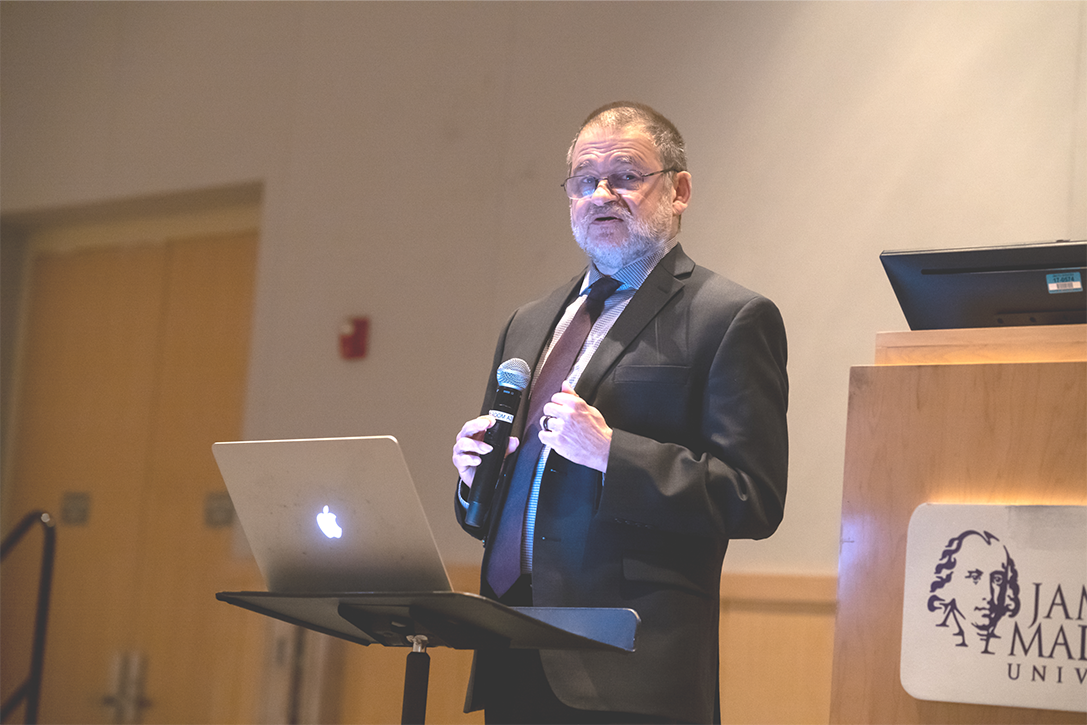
981,416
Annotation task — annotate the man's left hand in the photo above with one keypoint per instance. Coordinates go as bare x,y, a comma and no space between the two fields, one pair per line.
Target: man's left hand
576,430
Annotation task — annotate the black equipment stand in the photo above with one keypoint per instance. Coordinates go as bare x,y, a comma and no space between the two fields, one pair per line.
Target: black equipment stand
442,619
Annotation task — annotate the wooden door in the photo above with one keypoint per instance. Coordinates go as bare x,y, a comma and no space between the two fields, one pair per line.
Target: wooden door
134,363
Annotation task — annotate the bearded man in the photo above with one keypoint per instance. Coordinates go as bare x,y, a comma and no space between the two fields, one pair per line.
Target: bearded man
660,436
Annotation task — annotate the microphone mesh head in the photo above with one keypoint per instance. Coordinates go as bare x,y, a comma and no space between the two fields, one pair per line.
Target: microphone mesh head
514,373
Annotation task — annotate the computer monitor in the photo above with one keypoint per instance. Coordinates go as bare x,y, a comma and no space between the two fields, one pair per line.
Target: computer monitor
1021,284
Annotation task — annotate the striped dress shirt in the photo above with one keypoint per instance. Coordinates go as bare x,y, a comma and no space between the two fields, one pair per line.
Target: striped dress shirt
631,276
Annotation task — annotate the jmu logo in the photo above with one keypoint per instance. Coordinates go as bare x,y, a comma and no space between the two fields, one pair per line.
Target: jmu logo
994,607
975,587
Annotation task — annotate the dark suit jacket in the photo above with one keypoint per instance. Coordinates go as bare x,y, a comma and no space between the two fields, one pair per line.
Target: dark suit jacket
692,381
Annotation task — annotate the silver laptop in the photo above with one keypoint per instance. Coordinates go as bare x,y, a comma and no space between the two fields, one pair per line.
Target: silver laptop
327,515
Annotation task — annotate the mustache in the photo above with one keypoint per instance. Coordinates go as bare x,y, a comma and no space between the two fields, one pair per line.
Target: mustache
612,209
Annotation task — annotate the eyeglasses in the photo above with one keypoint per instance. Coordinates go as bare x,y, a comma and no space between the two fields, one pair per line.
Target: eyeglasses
578,187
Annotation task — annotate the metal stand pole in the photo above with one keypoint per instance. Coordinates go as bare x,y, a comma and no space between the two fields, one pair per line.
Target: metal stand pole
416,681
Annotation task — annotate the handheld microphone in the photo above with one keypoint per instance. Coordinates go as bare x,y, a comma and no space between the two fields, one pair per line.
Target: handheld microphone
513,377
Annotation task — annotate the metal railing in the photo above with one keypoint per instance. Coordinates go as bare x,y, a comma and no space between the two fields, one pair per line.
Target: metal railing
30,690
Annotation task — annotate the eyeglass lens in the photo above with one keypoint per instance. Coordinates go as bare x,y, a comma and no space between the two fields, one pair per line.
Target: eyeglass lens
619,181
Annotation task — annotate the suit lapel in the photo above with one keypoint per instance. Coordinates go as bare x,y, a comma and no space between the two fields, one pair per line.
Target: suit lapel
533,325
662,284
531,331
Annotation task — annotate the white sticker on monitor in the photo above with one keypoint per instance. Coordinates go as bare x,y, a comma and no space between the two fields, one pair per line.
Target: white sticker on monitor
1064,282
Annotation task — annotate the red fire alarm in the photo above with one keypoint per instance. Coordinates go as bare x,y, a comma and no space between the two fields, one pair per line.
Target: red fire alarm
353,336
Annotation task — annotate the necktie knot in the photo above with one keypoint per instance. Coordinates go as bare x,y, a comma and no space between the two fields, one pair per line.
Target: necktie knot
599,291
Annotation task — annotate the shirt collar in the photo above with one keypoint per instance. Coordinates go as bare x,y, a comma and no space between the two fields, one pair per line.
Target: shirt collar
634,274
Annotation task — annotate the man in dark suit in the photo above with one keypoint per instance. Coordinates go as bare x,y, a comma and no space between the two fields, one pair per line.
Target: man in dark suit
666,439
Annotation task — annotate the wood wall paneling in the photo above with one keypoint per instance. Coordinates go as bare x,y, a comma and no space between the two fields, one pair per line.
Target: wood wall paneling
777,635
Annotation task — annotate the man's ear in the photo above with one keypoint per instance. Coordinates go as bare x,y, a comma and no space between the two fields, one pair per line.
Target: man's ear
682,190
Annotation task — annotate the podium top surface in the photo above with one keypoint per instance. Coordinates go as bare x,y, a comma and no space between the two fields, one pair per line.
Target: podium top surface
1045,343
451,619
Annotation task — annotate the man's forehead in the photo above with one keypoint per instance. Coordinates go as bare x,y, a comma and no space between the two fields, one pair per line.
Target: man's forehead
975,551
598,144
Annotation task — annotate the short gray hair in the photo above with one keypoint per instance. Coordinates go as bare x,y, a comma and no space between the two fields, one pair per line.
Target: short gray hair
625,114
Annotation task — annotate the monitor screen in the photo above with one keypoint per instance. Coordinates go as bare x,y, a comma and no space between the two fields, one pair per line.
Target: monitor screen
1021,284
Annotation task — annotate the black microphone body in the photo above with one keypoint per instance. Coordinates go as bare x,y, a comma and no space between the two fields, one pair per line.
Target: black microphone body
513,377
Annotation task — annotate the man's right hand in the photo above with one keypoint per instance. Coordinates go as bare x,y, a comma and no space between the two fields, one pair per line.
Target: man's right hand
469,447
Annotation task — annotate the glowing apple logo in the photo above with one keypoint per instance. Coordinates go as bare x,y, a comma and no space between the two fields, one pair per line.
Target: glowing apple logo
327,521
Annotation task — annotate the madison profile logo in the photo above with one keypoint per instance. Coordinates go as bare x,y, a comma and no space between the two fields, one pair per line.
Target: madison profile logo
974,589
994,607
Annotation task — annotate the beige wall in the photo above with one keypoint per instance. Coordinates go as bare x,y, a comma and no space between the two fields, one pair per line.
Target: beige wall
410,155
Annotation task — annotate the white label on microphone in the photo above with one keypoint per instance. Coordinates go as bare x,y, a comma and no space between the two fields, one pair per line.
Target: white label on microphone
504,417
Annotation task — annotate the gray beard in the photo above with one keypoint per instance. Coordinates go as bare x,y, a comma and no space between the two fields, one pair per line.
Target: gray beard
645,236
